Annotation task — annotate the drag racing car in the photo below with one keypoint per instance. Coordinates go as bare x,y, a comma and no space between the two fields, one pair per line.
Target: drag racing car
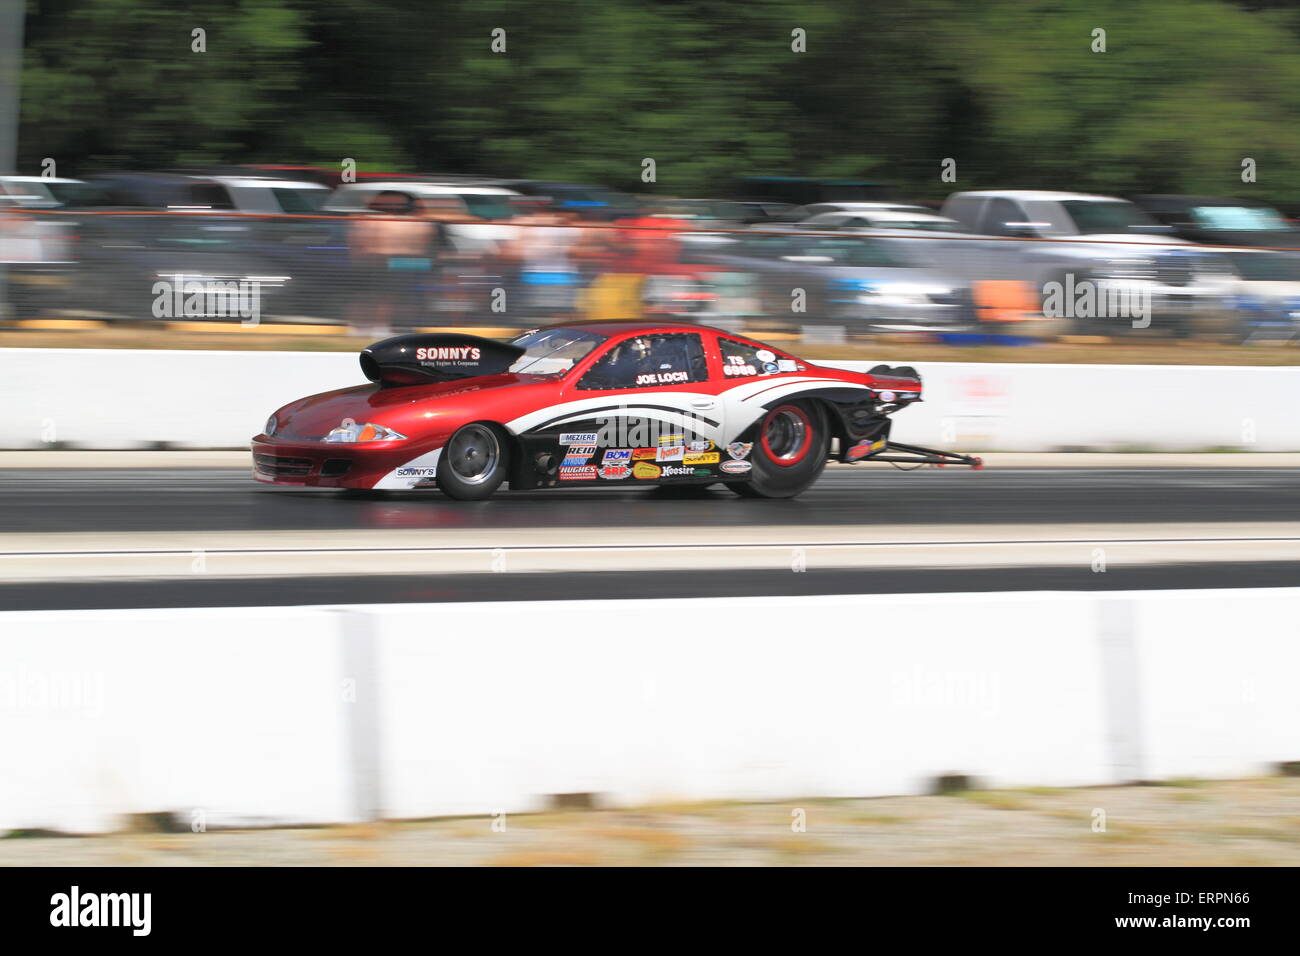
591,404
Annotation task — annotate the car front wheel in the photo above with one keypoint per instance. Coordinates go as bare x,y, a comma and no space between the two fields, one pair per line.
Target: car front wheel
473,464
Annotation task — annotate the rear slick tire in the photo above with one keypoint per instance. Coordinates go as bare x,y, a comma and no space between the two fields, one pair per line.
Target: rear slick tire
789,452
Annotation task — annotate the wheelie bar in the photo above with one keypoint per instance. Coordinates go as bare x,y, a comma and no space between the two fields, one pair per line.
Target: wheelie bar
916,455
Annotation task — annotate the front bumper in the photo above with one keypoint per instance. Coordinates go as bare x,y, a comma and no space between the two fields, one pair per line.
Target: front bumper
316,464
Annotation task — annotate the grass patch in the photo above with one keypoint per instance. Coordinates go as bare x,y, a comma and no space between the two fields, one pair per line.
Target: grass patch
993,799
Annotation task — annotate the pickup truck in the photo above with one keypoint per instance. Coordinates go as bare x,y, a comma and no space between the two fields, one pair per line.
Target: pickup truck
1071,237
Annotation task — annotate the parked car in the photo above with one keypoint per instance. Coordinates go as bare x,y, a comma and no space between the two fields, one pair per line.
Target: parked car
1265,297
1220,221
52,192
882,221
864,283
802,213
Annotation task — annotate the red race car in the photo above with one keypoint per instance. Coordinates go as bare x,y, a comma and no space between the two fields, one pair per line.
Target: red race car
596,403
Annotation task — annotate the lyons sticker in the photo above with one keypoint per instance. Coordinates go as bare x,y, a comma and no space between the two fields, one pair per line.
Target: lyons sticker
740,449
736,467
644,454
643,469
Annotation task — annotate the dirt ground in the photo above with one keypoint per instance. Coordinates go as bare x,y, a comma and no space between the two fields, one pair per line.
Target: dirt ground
1184,823
1138,351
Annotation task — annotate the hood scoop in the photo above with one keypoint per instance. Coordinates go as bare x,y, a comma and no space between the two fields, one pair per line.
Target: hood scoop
419,359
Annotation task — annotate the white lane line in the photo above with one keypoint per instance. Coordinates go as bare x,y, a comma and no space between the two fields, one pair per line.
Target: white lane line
1083,553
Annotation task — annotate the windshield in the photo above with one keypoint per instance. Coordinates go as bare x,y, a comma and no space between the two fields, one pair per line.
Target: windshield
1098,218
1245,218
1267,266
488,207
928,224
553,351
293,200
851,252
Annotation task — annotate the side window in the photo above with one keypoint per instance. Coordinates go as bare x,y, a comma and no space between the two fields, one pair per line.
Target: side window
745,360
212,195
1000,212
765,247
648,361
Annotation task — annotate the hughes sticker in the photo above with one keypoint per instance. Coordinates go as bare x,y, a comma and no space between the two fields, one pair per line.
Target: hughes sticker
583,473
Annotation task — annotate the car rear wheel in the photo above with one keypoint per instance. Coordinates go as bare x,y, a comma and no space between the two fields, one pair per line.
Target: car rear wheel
473,464
789,452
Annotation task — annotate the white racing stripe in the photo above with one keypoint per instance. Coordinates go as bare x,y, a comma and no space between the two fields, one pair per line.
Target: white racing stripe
1090,548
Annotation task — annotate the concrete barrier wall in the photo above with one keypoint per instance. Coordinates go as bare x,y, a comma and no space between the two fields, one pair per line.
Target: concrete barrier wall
319,714
99,398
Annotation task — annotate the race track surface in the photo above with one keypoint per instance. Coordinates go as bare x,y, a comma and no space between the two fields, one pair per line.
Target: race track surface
126,503
127,500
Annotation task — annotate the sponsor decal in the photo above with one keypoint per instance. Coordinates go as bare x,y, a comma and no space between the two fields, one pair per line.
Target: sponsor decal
765,355
579,438
740,449
644,454
785,365
701,458
636,432
736,467
643,469
671,453
864,448
583,473
769,368
460,353
682,471
615,472
416,472
701,445
663,378
886,396
578,454
617,456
